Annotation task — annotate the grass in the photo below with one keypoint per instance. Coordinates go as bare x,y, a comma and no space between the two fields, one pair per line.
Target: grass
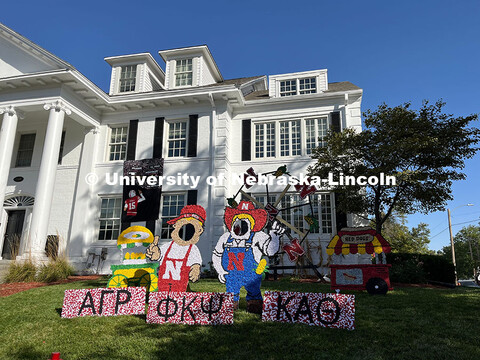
408,323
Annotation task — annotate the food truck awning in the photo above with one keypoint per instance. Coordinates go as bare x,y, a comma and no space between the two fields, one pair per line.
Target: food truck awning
358,241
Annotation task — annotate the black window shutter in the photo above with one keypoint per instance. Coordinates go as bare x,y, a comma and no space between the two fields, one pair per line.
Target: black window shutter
192,197
150,225
192,136
336,123
191,200
131,148
340,216
132,139
158,138
246,140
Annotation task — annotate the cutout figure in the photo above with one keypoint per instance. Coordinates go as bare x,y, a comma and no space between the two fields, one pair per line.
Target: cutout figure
180,260
237,255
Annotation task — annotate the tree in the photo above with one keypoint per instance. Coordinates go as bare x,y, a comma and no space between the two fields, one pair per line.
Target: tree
424,149
467,251
405,240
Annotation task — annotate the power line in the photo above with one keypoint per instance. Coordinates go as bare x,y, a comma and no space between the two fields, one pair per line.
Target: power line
466,222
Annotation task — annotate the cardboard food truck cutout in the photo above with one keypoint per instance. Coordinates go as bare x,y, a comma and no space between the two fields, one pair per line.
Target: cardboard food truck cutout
180,260
237,257
134,270
371,277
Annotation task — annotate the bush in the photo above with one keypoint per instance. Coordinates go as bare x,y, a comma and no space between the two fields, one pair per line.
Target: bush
27,271
21,272
55,270
420,268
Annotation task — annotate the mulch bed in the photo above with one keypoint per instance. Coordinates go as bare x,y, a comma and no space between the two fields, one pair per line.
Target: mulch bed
13,288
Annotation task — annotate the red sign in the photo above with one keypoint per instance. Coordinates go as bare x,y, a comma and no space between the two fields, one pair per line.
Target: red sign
327,310
104,302
293,250
190,308
305,189
251,176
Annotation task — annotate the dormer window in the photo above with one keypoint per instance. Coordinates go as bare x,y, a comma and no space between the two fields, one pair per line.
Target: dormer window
298,86
127,78
184,72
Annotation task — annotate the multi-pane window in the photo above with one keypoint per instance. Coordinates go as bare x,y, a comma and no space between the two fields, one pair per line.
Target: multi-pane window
118,143
265,140
307,86
177,139
288,87
316,130
25,150
326,213
298,86
184,72
290,138
128,76
110,214
171,207
320,209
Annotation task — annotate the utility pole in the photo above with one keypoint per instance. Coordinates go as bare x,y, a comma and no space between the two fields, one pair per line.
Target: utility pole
452,245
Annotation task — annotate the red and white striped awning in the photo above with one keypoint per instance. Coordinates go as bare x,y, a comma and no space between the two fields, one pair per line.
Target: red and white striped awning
358,241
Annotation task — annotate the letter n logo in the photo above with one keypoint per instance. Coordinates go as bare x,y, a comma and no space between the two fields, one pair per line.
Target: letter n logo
172,270
234,262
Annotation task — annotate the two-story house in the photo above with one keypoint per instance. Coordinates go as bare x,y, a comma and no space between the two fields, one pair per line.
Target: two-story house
61,134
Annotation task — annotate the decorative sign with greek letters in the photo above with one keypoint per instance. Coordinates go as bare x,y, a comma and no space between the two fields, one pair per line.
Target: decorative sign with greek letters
327,310
190,308
103,302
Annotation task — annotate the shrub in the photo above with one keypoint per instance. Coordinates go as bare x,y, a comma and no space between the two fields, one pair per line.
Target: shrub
420,268
58,269
21,272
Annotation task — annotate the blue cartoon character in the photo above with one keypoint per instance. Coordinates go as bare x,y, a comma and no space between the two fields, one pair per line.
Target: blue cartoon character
237,255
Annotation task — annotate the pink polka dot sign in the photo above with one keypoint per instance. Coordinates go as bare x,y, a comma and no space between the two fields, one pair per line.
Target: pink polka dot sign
327,310
104,302
190,308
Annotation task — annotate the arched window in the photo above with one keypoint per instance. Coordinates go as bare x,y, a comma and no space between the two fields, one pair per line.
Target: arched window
19,201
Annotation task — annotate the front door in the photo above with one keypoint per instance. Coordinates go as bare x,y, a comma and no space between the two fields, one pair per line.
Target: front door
13,234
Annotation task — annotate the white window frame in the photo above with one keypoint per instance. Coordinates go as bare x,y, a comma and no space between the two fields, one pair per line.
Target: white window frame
325,219
297,91
134,69
114,197
316,129
160,223
183,72
289,150
112,128
266,146
32,150
169,140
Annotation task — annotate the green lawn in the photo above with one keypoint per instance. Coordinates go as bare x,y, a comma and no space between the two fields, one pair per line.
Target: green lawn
408,323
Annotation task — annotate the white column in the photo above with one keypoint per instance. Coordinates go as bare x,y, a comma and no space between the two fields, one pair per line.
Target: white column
46,179
7,138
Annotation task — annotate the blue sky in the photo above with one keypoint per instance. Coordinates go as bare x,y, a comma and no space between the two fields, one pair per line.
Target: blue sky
396,51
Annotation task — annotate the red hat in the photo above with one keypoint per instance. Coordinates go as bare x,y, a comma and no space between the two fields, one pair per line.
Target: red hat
246,207
194,211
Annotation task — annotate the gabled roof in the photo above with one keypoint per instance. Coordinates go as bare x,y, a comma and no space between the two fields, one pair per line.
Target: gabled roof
33,49
179,52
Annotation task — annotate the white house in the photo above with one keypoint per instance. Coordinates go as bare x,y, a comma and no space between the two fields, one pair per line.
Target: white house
58,128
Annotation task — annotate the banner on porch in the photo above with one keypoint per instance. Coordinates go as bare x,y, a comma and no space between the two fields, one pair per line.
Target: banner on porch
190,308
327,310
141,202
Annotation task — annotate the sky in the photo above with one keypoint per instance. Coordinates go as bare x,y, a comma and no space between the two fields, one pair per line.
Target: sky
403,51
